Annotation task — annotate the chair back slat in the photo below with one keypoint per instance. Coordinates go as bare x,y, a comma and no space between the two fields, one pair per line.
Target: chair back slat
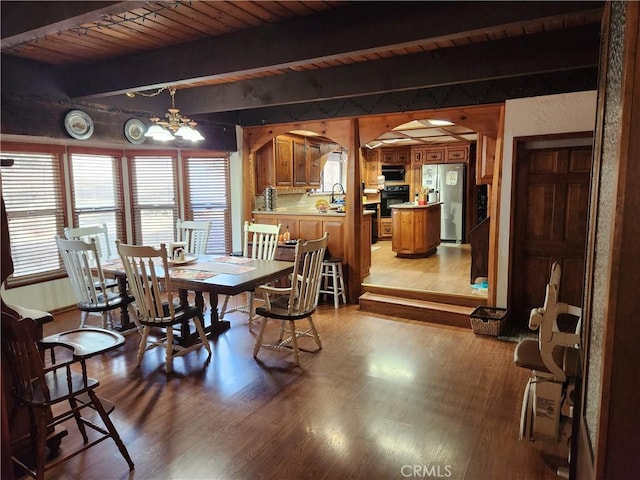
153,293
100,233
307,274
195,234
82,262
263,239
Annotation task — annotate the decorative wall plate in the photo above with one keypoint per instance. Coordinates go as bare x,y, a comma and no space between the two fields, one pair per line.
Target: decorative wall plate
134,130
78,124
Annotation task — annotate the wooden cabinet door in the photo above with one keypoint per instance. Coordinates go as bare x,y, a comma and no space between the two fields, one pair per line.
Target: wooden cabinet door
417,155
485,158
457,154
300,170
388,157
433,155
402,157
415,180
373,169
385,228
313,163
365,246
284,162
335,229
264,168
309,229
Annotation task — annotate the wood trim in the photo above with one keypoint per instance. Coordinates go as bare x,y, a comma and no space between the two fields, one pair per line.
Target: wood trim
494,210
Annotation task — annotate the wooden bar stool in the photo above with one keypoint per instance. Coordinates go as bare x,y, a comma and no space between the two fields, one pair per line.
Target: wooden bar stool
333,280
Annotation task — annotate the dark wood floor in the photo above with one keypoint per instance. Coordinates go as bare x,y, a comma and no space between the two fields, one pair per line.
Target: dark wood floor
384,395
446,271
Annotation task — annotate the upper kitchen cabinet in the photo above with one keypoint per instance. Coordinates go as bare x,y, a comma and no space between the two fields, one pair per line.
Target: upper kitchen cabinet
458,153
485,158
372,168
291,162
395,156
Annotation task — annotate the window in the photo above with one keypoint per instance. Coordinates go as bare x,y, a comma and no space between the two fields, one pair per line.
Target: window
33,194
208,198
153,187
334,171
97,194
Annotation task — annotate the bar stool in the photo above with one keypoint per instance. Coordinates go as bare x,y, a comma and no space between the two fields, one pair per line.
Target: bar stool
333,280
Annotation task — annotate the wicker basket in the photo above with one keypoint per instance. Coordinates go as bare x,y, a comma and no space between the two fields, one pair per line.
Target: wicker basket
488,320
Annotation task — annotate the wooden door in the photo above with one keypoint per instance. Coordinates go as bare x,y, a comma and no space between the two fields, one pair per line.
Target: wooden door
284,162
550,224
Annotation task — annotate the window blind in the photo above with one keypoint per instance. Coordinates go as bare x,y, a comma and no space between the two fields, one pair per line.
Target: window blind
33,193
96,186
207,197
153,185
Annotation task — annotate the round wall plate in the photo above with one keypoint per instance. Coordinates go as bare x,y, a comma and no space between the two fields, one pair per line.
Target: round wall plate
78,124
134,130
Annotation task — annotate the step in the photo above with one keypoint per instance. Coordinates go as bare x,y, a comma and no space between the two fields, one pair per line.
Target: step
415,309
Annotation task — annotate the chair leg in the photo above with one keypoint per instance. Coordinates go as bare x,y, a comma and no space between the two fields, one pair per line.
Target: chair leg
341,280
110,428
169,349
197,321
250,306
258,344
316,336
334,279
83,319
223,310
78,417
294,342
143,344
41,435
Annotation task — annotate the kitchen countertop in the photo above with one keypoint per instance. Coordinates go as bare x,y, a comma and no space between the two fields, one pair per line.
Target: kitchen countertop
329,213
413,205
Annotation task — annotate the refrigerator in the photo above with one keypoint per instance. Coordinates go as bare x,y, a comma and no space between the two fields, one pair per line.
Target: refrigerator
448,180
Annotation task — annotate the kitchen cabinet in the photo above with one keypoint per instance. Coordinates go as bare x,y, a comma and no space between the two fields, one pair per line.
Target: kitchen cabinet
290,162
284,162
395,156
309,227
385,228
372,168
416,229
458,153
485,158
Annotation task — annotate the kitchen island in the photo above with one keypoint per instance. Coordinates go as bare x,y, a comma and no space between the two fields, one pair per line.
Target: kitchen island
416,229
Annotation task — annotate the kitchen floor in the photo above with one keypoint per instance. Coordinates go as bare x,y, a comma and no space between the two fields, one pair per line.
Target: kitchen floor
446,271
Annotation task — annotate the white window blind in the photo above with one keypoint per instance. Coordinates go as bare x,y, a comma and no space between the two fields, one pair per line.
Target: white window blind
153,184
33,193
97,193
208,198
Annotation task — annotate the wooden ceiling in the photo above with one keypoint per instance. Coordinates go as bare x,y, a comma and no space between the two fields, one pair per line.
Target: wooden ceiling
247,62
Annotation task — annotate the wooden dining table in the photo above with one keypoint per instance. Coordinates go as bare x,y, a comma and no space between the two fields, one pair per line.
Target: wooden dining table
211,274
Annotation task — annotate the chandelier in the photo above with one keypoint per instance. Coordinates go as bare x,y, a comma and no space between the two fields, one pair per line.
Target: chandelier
174,126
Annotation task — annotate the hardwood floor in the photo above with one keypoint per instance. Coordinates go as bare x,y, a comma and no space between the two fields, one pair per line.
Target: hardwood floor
446,271
385,398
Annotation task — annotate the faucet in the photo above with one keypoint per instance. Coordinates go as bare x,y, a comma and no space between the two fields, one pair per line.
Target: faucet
333,192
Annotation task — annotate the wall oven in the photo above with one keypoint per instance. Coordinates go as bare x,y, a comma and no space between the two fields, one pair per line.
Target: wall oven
390,195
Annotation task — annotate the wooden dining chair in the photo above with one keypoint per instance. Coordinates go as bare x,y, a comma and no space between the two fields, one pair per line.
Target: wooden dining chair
297,302
100,233
83,265
195,234
54,394
260,242
147,270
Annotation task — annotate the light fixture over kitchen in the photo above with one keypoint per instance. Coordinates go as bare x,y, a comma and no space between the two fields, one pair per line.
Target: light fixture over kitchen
174,126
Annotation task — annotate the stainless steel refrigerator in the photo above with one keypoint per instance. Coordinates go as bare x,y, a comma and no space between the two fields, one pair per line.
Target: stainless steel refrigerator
448,179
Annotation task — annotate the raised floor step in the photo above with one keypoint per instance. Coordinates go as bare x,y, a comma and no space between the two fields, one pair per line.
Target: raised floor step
415,309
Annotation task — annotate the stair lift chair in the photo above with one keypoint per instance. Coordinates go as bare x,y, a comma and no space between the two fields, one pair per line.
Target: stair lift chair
547,405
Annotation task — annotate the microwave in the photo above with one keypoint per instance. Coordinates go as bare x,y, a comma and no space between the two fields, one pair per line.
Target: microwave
393,173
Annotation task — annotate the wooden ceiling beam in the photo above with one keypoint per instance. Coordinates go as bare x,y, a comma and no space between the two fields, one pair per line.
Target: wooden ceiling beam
321,37
25,21
555,51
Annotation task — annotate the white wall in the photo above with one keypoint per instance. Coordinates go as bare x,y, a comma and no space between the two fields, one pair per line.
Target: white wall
552,114
237,184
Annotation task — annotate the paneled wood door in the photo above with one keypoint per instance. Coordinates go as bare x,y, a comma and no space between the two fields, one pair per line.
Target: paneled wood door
550,224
